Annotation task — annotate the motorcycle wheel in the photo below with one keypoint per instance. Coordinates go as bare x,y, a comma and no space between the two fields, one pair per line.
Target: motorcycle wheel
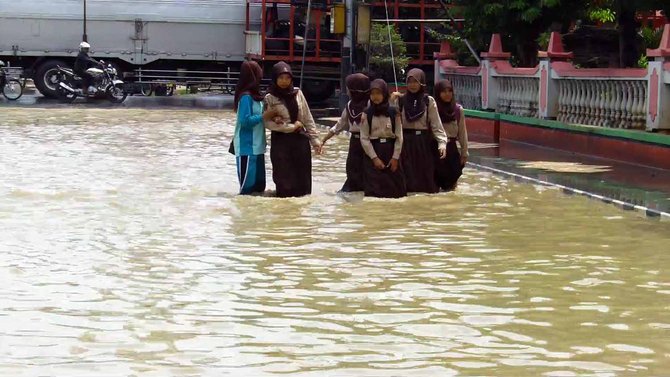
116,93
12,90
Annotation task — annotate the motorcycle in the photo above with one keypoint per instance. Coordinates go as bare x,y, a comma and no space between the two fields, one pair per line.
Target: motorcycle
11,88
105,84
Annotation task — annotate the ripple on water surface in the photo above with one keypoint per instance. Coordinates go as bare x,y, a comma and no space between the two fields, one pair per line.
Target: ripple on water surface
126,252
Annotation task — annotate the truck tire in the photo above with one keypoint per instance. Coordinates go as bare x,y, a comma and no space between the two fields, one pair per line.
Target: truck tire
318,90
45,77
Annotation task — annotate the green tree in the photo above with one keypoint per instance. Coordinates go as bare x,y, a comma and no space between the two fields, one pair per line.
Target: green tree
624,13
380,60
524,24
520,22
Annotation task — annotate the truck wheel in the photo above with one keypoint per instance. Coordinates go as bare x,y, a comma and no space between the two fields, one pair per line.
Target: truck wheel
46,77
160,90
146,89
319,90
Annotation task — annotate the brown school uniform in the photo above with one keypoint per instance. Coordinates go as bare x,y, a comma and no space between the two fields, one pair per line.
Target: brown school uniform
290,151
356,155
378,139
420,148
450,169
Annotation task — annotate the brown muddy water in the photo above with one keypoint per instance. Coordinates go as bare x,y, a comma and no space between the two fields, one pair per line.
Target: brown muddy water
124,251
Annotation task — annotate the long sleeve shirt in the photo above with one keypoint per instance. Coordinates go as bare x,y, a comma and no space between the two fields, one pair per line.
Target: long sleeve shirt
84,62
381,128
304,116
422,123
344,124
456,129
249,136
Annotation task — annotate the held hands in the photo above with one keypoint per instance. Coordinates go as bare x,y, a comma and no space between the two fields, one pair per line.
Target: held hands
393,165
379,165
326,138
443,153
395,96
318,149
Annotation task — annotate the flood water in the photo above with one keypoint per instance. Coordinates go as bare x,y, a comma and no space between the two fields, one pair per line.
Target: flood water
124,251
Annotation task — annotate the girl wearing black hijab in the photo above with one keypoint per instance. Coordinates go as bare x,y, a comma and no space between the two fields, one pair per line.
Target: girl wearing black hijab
453,121
358,88
293,130
422,128
382,140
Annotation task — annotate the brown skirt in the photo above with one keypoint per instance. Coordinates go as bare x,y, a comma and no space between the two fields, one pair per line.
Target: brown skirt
418,161
291,158
449,169
384,183
355,160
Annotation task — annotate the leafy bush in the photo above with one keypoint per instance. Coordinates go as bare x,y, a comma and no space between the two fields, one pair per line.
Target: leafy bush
381,63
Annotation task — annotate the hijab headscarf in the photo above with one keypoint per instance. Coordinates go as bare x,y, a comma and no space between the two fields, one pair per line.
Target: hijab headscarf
413,103
382,108
448,110
359,90
287,95
249,83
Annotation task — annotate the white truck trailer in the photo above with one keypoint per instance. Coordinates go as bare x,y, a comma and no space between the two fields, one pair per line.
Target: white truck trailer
153,34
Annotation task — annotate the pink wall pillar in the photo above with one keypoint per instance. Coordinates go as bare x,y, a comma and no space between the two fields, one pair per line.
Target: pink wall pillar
490,87
549,87
658,84
445,54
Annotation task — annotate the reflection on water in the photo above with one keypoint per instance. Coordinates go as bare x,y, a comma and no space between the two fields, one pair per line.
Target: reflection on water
125,252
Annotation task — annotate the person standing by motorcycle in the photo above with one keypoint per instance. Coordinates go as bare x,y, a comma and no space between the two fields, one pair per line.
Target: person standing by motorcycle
84,62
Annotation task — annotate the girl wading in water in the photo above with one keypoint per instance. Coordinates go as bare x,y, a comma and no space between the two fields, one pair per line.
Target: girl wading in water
249,141
382,140
421,128
453,120
358,87
293,130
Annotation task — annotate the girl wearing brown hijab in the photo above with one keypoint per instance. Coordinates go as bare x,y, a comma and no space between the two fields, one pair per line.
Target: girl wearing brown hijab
249,139
453,120
382,140
292,133
422,128
358,88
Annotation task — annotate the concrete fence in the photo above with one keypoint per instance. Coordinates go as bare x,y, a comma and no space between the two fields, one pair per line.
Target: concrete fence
632,98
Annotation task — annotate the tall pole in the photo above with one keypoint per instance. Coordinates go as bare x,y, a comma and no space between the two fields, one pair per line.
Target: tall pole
85,36
348,45
304,46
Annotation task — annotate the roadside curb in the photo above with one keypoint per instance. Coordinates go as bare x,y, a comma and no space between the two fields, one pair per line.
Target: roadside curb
648,212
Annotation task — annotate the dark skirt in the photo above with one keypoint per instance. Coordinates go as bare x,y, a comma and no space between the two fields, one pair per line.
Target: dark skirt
449,169
355,160
418,161
384,183
291,158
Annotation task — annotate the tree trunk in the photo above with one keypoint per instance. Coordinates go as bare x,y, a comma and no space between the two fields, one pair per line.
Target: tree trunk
628,49
527,52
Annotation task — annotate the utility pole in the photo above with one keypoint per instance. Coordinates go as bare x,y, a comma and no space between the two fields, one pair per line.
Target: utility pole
85,36
348,47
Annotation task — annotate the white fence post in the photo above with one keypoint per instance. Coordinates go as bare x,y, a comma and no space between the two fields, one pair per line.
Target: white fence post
657,110
549,93
490,86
